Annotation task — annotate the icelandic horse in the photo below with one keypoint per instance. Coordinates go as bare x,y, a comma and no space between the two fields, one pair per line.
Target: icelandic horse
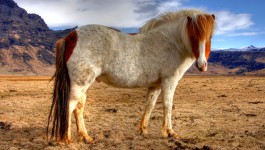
156,58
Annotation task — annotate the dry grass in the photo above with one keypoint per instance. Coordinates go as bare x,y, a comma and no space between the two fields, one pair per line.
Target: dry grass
25,78
209,112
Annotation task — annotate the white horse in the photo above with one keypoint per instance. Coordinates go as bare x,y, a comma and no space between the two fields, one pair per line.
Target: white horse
155,58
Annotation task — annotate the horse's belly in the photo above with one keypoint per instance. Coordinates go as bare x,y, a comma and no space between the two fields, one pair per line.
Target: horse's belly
126,82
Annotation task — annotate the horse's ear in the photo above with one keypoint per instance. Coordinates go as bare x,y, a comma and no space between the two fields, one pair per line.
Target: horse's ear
189,19
213,16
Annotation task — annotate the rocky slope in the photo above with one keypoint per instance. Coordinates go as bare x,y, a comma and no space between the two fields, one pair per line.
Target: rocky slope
242,61
27,43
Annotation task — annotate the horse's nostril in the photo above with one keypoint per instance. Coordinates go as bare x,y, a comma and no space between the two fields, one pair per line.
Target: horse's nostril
202,68
197,65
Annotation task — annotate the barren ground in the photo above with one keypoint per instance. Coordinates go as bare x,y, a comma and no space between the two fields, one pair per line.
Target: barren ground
209,112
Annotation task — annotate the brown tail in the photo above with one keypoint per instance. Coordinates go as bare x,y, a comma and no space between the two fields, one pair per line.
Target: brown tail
60,103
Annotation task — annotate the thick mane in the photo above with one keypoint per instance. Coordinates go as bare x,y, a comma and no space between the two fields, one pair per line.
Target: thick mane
169,17
201,27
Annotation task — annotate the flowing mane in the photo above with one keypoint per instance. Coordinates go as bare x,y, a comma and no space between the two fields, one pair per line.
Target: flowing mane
169,17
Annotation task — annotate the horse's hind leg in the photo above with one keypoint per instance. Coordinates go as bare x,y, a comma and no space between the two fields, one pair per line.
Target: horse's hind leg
152,95
79,86
76,96
79,116
73,100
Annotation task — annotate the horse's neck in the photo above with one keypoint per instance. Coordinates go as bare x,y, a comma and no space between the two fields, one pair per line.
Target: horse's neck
169,37
178,56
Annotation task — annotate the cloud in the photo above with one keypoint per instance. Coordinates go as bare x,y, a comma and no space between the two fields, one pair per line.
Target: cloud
243,34
170,5
118,13
218,40
145,7
228,23
246,34
125,13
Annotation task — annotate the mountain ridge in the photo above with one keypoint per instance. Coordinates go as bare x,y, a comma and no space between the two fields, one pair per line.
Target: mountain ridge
248,48
27,43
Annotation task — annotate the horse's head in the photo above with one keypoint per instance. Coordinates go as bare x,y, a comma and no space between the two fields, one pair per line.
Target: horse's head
200,30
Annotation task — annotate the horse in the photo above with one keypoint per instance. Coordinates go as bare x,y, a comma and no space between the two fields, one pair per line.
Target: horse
156,58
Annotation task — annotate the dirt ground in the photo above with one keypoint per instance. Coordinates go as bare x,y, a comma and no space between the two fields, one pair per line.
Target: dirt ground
209,112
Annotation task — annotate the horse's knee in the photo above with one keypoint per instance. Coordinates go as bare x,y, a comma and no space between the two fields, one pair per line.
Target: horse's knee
79,105
79,108
77,94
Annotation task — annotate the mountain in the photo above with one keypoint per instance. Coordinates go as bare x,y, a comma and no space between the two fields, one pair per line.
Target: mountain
245,61
27,43
248,48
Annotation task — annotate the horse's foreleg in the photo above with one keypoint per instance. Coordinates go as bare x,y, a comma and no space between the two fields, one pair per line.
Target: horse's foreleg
168,89
79,113
152,95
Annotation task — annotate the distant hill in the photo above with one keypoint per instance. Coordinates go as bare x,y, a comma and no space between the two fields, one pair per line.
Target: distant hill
249,48
244,61
26,44
241,61
27,48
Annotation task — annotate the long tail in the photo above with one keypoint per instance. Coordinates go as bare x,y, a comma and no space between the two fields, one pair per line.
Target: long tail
60,103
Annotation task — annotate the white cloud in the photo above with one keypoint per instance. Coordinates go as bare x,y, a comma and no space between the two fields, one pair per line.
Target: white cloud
228,23
125,13
218,40
243,34
119,13
171,5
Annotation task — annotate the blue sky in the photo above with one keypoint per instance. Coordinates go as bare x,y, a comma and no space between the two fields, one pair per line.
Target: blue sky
240,23
252,35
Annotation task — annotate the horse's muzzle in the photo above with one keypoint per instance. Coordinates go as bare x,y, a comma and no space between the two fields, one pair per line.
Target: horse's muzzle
202,68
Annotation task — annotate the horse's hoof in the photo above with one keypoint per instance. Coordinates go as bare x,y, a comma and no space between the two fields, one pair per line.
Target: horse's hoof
80,139
174,135
68,141
142,131
53,143
165,134
61,143
88,140
170,133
